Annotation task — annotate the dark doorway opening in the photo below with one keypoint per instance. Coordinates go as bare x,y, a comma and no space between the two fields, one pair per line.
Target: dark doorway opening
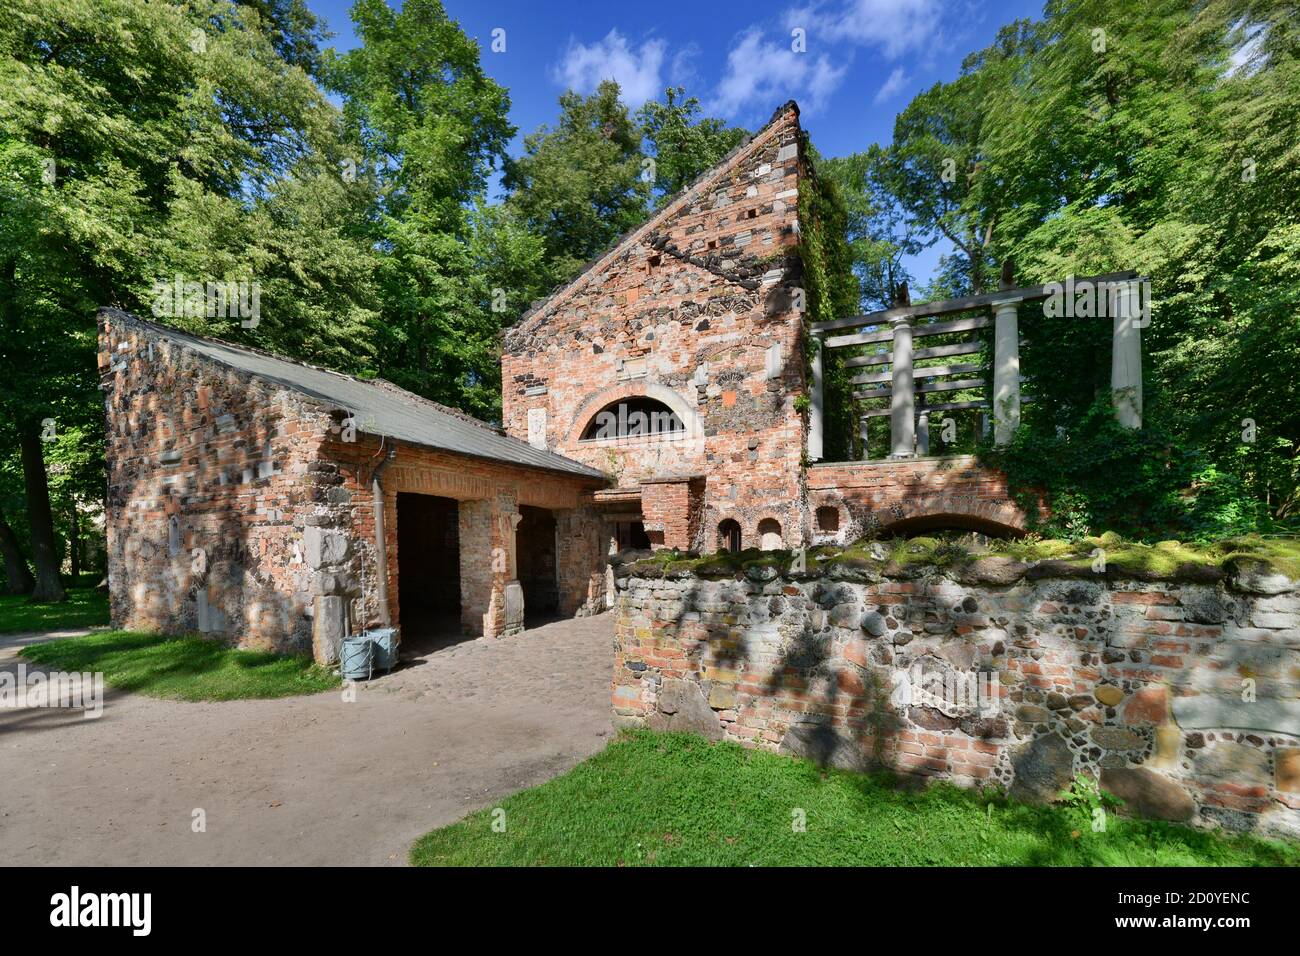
428,568
631,534
535,561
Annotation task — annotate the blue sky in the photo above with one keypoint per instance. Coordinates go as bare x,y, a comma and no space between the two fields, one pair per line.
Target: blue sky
861,63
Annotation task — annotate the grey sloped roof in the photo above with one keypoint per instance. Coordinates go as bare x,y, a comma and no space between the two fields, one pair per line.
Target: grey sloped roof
380,407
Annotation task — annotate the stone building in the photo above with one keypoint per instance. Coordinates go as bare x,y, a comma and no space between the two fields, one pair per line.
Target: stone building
670,396
282,506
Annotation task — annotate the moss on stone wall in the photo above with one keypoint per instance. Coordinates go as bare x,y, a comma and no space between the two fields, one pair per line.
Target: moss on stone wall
1236,560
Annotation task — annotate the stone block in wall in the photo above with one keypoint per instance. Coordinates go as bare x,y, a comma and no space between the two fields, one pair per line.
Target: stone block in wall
329,627
323,546
1147,794
1287,769
1225,761
826,747
681,706
1043,768
1204,712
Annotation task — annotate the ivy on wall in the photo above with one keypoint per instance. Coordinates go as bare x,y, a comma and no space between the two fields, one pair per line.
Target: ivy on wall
830,292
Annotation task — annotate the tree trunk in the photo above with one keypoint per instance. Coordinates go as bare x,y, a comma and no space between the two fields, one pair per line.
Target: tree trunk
49,589
74,545
18,577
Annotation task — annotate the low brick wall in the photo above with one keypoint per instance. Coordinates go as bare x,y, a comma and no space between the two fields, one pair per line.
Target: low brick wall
1184,696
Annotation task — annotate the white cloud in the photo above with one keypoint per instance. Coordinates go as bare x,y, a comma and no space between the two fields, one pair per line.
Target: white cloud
637,72
761,72
896,27
892,85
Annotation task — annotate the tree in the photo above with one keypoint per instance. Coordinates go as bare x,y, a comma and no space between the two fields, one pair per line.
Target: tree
578,184
429,126
129,128
682,144
879,233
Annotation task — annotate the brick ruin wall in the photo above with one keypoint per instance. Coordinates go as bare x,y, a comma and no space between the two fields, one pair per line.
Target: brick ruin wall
872,496
212,478
698,310
1182,697
237,510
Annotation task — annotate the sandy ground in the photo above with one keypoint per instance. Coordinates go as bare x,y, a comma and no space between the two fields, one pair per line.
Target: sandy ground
306,780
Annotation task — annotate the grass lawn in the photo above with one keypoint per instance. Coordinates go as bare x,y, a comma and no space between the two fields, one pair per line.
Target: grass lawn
185,668
85,607
677,800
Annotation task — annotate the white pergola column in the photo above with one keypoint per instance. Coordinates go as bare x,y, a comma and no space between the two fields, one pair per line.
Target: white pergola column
818,400
1006,371
902,403
863,435
1126,355
923,432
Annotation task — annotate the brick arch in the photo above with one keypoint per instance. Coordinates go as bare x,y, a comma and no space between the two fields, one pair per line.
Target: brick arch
928,512
592,404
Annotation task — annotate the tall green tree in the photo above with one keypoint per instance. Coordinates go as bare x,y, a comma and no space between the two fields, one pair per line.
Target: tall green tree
579,183
682,143
430,126
128,128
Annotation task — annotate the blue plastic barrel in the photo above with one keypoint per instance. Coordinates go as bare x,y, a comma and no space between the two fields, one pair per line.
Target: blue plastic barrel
356,657
385,647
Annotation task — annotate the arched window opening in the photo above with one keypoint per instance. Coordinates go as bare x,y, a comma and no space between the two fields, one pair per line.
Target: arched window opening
769,534
729,535
828,519
634,417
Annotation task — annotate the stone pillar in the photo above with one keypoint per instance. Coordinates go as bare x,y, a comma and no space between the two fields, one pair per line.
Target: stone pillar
818,400
902,412
923,432
1006,372
1126,355
862,434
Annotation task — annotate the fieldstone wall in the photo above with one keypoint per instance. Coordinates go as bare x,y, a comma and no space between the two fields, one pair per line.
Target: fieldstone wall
241,509
1182,695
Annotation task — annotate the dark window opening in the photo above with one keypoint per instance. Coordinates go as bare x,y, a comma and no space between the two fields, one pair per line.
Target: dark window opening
631,535
634,417
828,519
729,535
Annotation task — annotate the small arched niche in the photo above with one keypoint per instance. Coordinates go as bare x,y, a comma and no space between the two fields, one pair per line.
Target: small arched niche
828,519
729,537
769,535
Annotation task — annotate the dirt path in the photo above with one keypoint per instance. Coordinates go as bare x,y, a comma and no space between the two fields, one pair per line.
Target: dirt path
306,780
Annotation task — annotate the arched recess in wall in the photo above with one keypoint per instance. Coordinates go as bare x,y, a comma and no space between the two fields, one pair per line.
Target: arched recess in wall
634,416
769,535
729,537
587,412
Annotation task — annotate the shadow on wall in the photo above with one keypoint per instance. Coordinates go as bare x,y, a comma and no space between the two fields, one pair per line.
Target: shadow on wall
861,665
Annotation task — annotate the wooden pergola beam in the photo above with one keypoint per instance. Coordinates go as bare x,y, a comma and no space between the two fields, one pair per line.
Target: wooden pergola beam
948,306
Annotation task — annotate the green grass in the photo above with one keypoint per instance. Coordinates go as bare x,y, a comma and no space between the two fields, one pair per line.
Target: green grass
183,668
677,800
85,607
